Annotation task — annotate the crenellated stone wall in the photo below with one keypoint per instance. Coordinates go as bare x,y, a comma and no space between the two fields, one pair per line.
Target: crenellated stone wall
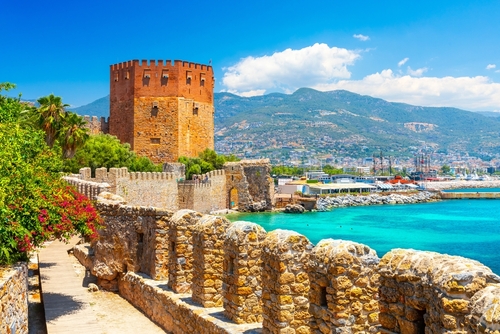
248,180
206,193
344,287
285,283
180,238
278,282
88,188
242,289
208,259
138,188
433,292
133,239
14,298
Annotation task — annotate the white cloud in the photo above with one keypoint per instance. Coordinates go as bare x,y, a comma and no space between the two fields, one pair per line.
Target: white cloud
250,93
418,72
362,38
491,66
289,70
403,61
326,68
469,93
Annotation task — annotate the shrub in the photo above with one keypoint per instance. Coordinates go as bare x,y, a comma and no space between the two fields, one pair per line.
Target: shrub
36,205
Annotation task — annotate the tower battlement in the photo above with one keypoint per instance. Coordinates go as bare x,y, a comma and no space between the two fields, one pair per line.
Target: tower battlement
160,63
163,78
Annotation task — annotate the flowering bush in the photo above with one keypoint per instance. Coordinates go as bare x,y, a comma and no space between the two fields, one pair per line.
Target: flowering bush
35,204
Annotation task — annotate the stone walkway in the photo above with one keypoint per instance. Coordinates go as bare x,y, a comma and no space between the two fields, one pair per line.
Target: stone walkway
70,307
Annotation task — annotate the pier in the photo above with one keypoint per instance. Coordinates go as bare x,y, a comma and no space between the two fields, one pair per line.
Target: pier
470,195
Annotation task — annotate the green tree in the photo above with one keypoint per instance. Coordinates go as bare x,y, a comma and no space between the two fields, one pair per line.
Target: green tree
107,151
73,135
286,170
445,169
207,161
11,109
332,170
49,115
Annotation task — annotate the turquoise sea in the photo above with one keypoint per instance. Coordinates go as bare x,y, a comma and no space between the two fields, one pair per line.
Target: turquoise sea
469,228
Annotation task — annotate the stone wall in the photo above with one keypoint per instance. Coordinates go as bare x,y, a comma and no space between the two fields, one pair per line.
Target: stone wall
249,186
242,289
14,298
96,125
344,287
88,188
174,312
168,190
433,292
180,238
280,282
208,258
205,194
133,239
138,188
285,256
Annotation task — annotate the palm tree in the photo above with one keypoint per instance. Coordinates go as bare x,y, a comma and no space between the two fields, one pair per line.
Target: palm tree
73,134
49,116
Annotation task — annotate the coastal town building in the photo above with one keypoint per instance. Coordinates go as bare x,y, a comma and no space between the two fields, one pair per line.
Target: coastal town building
164,110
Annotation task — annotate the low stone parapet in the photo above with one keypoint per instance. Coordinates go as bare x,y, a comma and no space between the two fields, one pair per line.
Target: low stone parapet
180,238
281,283
174,312
208,259
430,291
344,287
242,286
285,283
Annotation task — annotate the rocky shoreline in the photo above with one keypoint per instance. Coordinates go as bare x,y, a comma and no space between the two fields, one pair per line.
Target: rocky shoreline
328,203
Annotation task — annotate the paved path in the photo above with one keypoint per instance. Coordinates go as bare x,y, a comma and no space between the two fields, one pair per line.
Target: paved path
70,308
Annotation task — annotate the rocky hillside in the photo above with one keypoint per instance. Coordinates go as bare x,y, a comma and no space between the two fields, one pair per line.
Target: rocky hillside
339,122
344,122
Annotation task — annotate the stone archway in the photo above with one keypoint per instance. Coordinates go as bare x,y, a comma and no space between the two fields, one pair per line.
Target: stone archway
233,198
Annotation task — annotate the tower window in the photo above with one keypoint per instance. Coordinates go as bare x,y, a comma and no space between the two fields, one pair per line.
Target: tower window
189,75
202,79
155,140
164,77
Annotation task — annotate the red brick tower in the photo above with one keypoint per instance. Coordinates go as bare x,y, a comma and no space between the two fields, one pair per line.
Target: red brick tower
162,110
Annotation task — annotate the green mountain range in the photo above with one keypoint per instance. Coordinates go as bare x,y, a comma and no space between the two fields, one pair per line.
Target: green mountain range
99,108
339,122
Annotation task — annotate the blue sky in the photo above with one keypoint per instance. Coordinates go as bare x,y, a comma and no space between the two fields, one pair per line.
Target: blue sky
432,53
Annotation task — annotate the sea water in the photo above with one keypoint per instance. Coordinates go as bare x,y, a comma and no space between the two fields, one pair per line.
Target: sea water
468,228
